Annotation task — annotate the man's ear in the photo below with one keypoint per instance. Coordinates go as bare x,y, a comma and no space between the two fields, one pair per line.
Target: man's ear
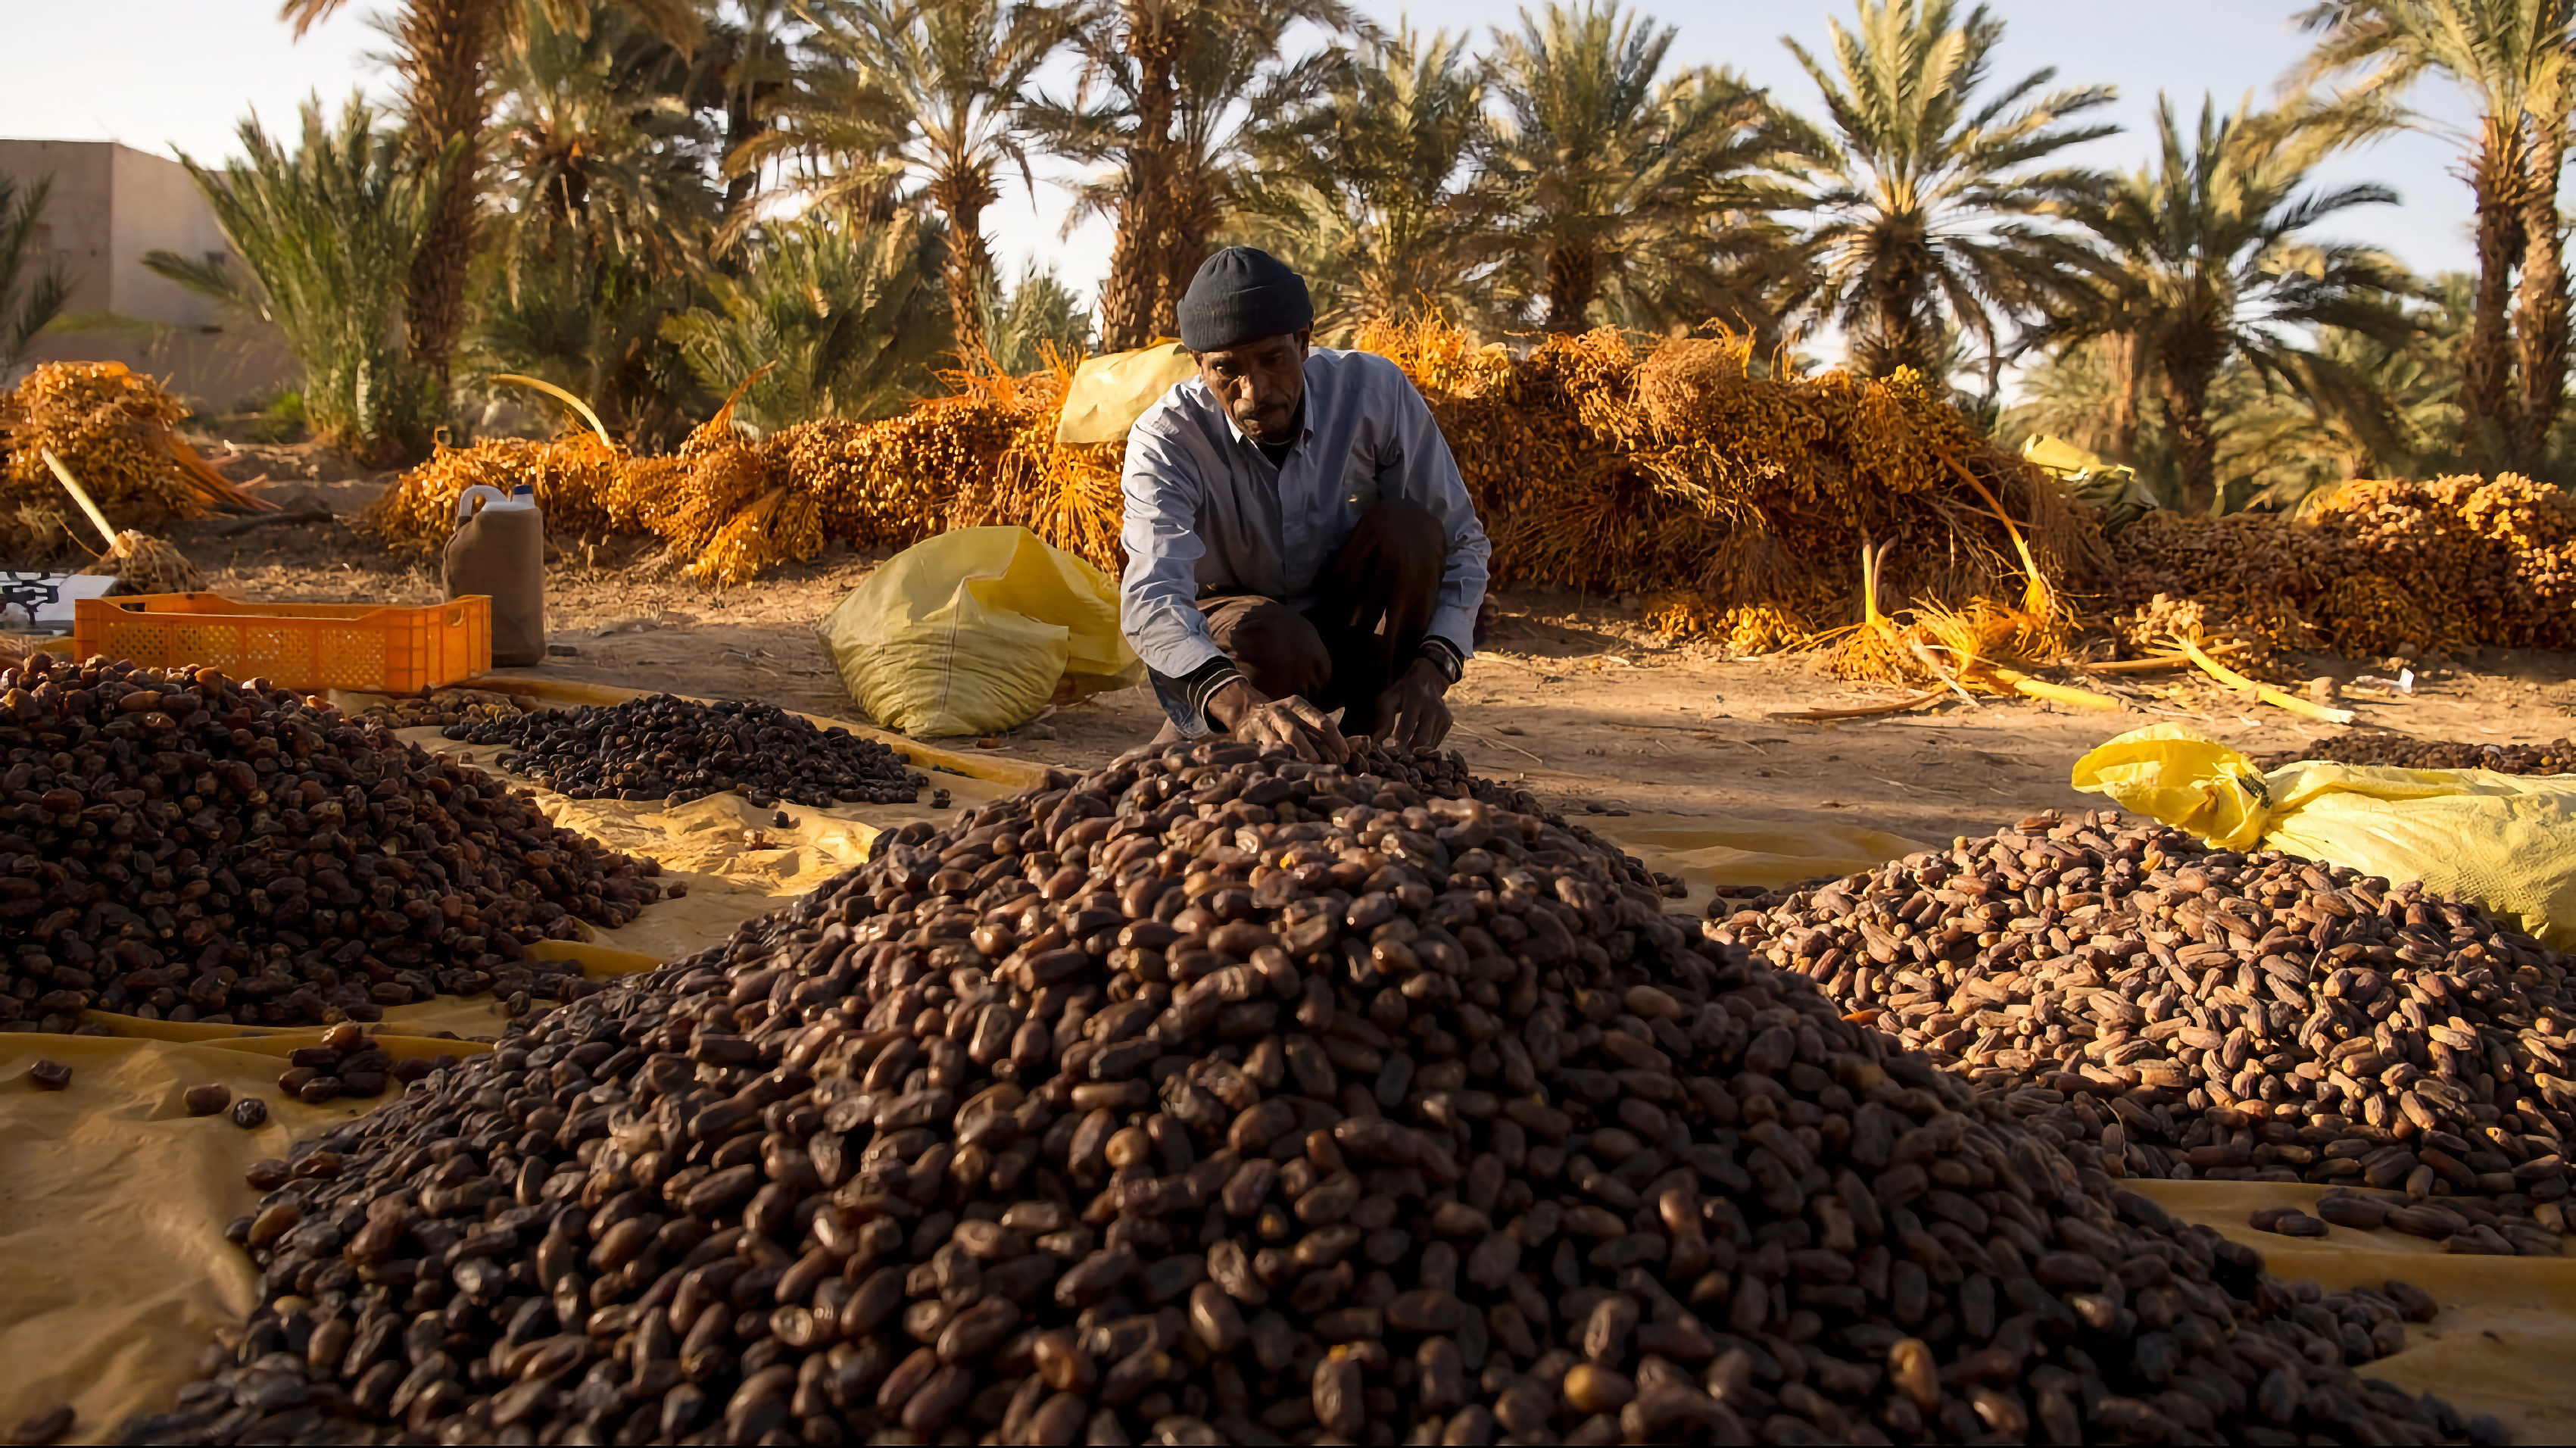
1305,342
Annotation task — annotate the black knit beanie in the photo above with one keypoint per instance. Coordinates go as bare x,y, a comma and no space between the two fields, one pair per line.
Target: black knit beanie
1241,295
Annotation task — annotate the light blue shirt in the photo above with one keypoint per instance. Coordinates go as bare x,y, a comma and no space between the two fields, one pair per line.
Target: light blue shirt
1207,511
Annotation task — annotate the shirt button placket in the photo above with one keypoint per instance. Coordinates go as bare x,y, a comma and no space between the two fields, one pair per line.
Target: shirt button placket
1296,566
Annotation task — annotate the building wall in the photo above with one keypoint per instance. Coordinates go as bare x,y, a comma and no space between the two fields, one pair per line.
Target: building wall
218,371
157,207
111,205
79,211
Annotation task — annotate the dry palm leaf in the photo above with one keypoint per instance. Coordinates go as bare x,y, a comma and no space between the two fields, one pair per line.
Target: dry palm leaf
2265,692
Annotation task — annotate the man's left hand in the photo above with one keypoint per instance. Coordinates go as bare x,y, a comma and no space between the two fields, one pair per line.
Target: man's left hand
1415,713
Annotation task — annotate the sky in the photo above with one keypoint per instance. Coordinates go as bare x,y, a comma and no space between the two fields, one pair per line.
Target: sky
179,75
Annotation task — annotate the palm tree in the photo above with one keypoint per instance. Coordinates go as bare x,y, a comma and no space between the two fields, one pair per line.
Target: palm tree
831,127
2075,391
2385,410
30,299
1930,199
2212,267
1182,87
848,312
596,148
327,235
442,55
1035,314
1369,189
2516,59
930,88
1607,171
2380,410
591,322
752,65
601,206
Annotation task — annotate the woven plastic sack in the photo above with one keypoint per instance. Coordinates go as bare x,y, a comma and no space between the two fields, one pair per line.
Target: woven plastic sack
1109,393
975,631
2507,842
2117,494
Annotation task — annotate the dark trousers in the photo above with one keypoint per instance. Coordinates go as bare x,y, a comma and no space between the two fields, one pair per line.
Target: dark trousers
1371,612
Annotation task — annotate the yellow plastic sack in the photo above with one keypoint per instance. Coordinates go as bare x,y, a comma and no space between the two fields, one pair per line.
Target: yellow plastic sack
1109,393
975,631
2507,842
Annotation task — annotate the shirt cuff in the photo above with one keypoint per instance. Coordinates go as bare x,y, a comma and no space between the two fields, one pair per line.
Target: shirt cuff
1458,626
1185,697
1445,656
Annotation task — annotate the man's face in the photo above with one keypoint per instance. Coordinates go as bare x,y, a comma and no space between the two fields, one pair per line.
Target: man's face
1260,383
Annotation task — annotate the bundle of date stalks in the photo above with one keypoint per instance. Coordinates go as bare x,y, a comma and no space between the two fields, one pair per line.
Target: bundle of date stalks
179,846
2174,1011
1218,1097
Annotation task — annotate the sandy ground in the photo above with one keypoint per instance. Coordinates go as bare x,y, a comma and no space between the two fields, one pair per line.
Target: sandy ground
1578,701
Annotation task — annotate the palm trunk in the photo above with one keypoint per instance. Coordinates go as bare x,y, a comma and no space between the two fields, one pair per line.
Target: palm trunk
567,203
2540,311
1900,330
1573,283
970,262
1135,279
961,194
1138,262
743,125
2496,179
443,45
2185,401
1190,222
2125,354
1900,335
1185,250
1918,342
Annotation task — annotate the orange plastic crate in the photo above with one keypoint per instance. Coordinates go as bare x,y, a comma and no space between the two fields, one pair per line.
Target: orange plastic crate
307,646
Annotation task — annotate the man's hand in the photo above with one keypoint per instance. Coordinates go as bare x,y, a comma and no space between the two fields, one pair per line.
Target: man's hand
1415,713
1291,723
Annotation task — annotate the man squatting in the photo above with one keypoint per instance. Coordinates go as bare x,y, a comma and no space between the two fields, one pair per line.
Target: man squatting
1298,539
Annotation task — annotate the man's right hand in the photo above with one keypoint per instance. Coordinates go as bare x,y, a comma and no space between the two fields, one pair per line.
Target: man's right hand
1291,723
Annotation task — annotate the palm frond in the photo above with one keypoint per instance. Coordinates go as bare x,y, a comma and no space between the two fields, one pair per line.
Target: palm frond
30,298
847,317
1934,214
326,234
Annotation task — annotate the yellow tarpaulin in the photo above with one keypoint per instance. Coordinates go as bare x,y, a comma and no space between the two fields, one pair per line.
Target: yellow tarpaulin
736,860
114,1271
2507,1326
114,1274
2115,492
1708,852
2506,841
